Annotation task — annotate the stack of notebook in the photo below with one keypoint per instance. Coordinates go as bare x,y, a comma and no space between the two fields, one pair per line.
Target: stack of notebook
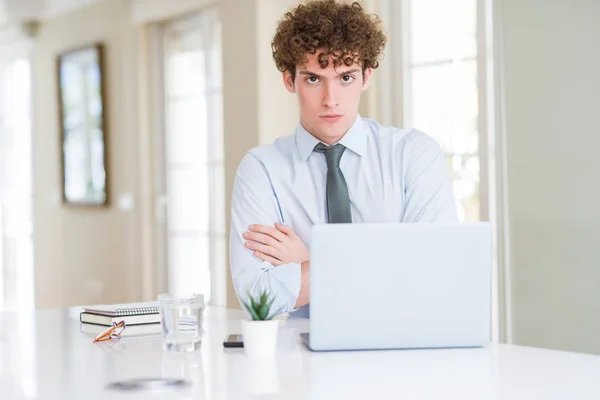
142,320
132,314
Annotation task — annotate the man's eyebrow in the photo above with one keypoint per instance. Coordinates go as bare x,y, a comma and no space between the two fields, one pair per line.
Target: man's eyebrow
310,73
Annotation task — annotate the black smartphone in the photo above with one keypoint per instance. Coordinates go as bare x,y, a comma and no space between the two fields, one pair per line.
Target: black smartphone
233,341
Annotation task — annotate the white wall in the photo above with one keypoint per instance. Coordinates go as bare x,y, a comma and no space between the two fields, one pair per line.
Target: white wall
551,67
85,255
278,111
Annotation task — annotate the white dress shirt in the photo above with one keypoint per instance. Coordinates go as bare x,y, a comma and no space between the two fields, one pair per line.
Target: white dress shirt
393,175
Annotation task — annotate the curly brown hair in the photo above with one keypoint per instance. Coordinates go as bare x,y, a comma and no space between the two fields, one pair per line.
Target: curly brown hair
344,31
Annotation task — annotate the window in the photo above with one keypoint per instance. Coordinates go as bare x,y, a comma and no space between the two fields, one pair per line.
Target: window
441,89
439,77
193,156
16,223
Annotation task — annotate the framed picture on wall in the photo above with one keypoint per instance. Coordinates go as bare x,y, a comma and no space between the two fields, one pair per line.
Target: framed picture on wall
82,116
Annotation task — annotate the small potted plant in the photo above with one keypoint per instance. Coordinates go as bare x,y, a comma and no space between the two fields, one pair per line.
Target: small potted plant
260,333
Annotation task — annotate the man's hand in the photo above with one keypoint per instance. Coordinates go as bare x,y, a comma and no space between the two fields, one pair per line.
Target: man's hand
279,245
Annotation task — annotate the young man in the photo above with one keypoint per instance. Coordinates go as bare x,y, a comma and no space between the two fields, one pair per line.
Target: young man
336,167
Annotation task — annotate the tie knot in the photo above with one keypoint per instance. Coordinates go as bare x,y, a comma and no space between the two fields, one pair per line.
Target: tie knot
333,154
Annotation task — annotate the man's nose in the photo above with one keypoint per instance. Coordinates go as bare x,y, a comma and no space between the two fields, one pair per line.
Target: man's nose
331,96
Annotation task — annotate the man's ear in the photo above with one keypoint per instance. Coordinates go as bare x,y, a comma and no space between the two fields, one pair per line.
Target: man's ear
367,78
288,81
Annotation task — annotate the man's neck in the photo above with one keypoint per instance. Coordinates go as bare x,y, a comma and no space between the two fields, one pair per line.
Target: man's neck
329,140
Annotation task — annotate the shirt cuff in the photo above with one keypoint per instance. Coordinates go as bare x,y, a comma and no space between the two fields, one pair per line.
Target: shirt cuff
290,275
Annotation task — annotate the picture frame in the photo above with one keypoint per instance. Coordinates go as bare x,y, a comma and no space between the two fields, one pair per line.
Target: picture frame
82,117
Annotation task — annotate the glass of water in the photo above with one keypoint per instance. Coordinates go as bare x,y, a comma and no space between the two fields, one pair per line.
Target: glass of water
181,321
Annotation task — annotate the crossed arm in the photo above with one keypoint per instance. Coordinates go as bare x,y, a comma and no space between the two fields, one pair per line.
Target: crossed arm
269,256
279,245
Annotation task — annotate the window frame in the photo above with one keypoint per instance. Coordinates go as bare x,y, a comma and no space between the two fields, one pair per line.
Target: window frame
209,16
392,86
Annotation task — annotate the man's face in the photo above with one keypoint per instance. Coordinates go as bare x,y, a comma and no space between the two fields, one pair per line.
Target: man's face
328,97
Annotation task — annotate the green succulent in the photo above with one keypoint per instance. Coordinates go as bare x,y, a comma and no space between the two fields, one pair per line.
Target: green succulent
260,308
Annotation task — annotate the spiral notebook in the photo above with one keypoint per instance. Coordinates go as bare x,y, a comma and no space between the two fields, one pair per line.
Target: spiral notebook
122,310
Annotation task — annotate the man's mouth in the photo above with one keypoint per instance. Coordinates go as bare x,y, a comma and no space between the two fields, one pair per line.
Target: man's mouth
331,117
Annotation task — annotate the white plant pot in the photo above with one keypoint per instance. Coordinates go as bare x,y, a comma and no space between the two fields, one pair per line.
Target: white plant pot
260,338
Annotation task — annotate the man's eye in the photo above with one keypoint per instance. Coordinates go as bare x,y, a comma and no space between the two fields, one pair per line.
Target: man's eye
347,78
312,79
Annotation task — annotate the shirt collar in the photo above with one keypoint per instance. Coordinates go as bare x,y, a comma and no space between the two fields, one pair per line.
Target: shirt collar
355,139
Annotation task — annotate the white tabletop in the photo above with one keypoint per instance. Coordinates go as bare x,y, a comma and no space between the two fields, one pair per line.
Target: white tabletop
43,355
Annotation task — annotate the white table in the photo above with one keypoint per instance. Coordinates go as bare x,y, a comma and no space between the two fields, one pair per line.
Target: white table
44,355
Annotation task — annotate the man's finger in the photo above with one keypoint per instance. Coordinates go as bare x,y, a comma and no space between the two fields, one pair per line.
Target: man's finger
268,230
273,261
262,238
285,229
268,250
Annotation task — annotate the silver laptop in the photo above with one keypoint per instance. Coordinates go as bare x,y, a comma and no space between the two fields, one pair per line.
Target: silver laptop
400,286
